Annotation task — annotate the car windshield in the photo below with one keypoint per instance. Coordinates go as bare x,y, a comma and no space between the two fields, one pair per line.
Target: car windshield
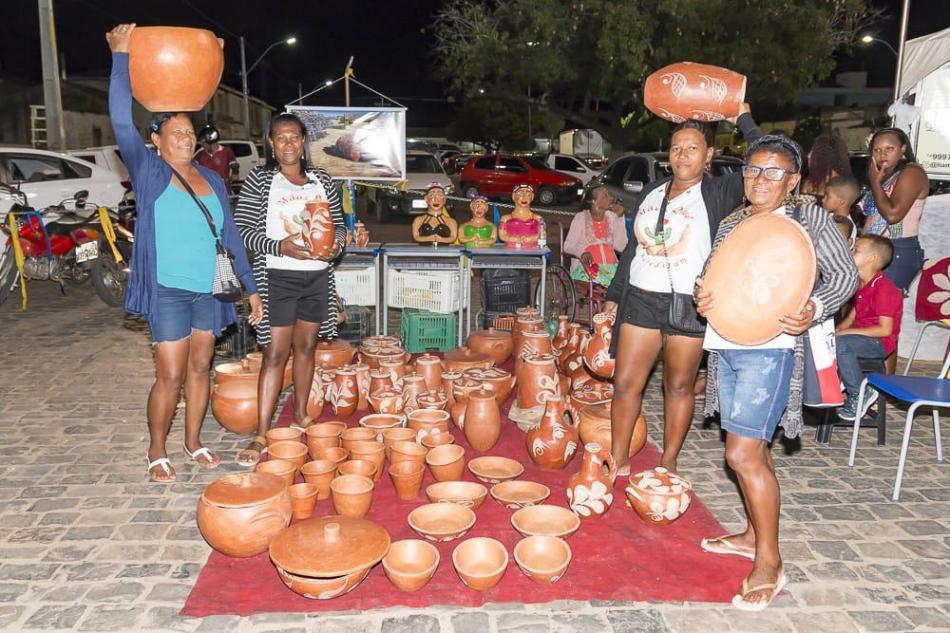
535,163
422,165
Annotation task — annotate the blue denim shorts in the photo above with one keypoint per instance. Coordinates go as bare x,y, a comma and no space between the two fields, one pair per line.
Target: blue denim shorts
180,312
753,390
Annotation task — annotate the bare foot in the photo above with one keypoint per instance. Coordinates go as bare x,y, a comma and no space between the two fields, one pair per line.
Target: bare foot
668,464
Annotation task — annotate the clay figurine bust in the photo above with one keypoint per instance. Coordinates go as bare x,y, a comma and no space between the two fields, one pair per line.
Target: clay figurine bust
435,226
360,235
478,232
521,228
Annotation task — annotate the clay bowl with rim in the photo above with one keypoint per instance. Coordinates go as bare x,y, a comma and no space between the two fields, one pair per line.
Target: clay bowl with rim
323,435
362,467
447,463
468,494
284,434
516,493
396,434
441,522
352,495
319,472
408,452
290,451
379,422
434,440
543,559
322,588
480,562
407,479
545,520
284,469
410,564
303,498
371,451
493,469
357,434
336,454
426,421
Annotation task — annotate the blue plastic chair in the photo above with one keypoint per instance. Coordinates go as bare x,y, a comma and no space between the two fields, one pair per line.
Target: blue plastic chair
919,392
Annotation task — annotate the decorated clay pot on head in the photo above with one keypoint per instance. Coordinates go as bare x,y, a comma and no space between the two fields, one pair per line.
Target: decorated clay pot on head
497,344
331,354
537,380
413,385
597,355
352,495
553,443
563,333
658,496
319,472
687,90
387,400
463,358
379,379
362,385
396,368
239,514
590,490
481,421
426,421
430,368
323,435
234,405
157,55
407,478
410,564
370,451
594,426
495,379
344,395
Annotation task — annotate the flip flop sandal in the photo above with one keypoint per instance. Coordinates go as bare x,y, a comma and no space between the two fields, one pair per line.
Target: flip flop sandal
164,464
302,426
720,545
738,600
260,440
203,451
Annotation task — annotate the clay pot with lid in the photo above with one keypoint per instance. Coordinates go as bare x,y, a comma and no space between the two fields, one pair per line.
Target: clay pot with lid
352,495
424,422
686,90
430,368
543,559
323,435
597,353
281,468
344,394
528,323
320,472
413,385
553,443
397,369
659,496
327,557
447,463
495,379
379,379
594,426
590,490
481,421
234,405
407,479
537,380
480,562
239,515
590,393
532,343
234,371
332,354
157,55
463,358
496,344
410,564
387,401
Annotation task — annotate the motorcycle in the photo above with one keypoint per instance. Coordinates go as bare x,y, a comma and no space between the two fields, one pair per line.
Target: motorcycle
65,246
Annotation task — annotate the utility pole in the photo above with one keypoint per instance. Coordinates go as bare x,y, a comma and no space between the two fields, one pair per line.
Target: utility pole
902,37
52,96
247,107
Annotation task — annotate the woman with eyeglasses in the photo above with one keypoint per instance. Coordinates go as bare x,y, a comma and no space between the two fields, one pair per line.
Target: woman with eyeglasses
756,387
895,203
674,223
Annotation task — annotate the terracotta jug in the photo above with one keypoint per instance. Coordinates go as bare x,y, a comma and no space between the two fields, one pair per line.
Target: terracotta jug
597,354
333,354
590,490
686,90
387,400
658,496
430,368
234,405
538,379
345,394
379,379
448,385
317,397
553,443
571,356
463,358
318,232
396,368
495,379
481,420
497,344
413,386
362,384
563,333
157,57
594,427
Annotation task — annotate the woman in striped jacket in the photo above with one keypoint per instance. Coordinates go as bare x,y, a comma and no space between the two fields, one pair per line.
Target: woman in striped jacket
297,289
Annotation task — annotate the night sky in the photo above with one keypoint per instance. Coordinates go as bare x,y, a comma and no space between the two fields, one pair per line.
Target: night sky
386,37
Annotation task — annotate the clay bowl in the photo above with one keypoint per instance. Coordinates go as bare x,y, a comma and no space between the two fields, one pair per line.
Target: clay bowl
236,371
543,559
290,451
379,422
284,469
410,564
284,434
433,440
480,562
357,434
467,494
494,470
408,452
545,520
371,451
441,522
517,494
447,463
303,498
319,472
396,434
323,435
352,495
362,467
336,454
322,588
407,479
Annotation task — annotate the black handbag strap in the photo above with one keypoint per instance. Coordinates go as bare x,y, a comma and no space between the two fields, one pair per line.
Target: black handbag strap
661,216
201,205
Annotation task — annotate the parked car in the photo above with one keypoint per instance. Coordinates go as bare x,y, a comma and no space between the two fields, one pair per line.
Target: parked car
572,166
249,155
106,156
421,169
49,177
498,174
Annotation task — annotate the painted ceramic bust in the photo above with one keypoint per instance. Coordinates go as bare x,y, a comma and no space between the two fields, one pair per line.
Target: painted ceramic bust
521,228
435,226
478,232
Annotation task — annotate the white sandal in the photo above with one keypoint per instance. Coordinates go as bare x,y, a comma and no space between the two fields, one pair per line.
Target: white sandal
739,601
201,451
164,464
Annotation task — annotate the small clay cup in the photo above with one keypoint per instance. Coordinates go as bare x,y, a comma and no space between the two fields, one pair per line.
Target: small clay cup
407,479
396,434
361,467
371,451
284,434
323,435
284,469
410,564
408,452
543,559
289,450
480,562
432,440
357,434
319,472
303,498
352,495
447,463
336,454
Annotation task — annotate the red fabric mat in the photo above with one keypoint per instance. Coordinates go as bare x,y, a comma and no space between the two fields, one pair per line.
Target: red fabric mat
616,557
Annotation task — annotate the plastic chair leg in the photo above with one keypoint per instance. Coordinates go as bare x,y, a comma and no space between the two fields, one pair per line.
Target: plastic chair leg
857,424
905,442
936,416
881,420
913,351
823,434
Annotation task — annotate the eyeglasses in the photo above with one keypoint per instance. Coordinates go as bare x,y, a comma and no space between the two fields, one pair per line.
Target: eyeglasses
771,173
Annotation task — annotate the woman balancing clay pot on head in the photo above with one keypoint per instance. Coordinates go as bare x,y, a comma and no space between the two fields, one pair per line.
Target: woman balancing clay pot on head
173,263
596,235
435,226
290,216
521,228
895,202
757,386
478,232
665,256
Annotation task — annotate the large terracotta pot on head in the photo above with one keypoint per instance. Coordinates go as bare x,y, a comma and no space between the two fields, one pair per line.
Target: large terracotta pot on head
331,354
765,268
594,427
687,90
240,514
497,344
174,69
234,405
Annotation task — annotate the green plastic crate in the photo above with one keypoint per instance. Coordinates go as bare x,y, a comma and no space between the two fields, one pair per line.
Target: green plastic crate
423,330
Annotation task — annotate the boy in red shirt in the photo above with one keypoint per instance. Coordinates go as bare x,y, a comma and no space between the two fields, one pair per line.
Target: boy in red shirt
870,330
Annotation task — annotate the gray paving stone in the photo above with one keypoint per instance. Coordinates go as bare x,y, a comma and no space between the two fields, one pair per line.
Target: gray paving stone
89,533
922,528
66,592
55,617
636,621
930,569
880,621
927,548
357,623
930,592
144,571
884,573
34,571
522,622
123,591
883,595
686,620
10,591
822,622
68,552
90,571
470,622
169,592
35,535
578,623
218,624
167,619
927,617
835,550
411,624
9,615
110,619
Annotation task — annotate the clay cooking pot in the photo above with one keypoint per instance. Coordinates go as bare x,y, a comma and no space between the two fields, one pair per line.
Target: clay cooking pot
157,55
496,344
238,515
234,404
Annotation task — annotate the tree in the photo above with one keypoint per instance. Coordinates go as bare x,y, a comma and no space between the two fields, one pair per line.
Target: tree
586,60
495,122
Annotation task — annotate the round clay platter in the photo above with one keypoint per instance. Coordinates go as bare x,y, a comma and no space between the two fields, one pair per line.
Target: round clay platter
309,548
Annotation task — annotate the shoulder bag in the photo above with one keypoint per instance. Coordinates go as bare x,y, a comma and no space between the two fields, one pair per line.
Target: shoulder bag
682,315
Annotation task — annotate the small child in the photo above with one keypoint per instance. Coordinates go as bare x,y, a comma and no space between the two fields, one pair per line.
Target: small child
870,330
841,193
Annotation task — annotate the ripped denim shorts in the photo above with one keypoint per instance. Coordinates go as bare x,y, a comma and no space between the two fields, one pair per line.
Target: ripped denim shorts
753,390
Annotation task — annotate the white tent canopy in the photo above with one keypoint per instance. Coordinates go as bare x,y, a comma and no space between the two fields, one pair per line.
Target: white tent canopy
922,56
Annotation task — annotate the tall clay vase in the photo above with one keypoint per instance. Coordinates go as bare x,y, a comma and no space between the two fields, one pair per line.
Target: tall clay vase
571,349
413,386
430,368
481,421
590,490
317,397
532,343
345,392
553,443
318,230
597,355
537,380
157,55
686,90
362,385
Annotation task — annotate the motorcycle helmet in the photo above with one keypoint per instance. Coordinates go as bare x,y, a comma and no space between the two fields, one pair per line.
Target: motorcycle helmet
210,134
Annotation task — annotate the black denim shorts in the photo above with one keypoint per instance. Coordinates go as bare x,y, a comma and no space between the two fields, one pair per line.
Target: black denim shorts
651,310
297,294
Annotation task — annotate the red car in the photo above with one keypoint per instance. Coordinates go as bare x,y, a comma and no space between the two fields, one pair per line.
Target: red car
496,175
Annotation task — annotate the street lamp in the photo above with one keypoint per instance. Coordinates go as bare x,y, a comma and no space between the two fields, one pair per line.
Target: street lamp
245,70
867,39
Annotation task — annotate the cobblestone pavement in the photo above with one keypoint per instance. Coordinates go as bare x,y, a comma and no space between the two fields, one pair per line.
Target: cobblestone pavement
88,544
